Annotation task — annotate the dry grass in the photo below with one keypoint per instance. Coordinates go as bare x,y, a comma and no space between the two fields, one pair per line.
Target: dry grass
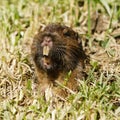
99,95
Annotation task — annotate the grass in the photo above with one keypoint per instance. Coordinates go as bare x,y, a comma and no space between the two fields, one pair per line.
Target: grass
99,95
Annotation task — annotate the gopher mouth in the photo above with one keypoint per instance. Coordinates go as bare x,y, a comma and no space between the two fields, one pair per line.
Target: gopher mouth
46,63
46,50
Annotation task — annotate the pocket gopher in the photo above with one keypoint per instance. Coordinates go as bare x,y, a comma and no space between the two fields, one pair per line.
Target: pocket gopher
57,51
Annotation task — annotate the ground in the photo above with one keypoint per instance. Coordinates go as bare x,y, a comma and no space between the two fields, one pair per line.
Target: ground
98,25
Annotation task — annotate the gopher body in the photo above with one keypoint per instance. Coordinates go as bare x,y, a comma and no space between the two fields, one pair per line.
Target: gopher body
58,57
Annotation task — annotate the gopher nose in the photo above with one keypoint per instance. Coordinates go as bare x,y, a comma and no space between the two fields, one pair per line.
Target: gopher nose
47,41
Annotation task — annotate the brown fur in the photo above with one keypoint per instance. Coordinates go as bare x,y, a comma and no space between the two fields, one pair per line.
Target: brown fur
66,54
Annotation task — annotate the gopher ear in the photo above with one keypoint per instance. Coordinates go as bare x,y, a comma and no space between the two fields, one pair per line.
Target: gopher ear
79,40
76,35
65,32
